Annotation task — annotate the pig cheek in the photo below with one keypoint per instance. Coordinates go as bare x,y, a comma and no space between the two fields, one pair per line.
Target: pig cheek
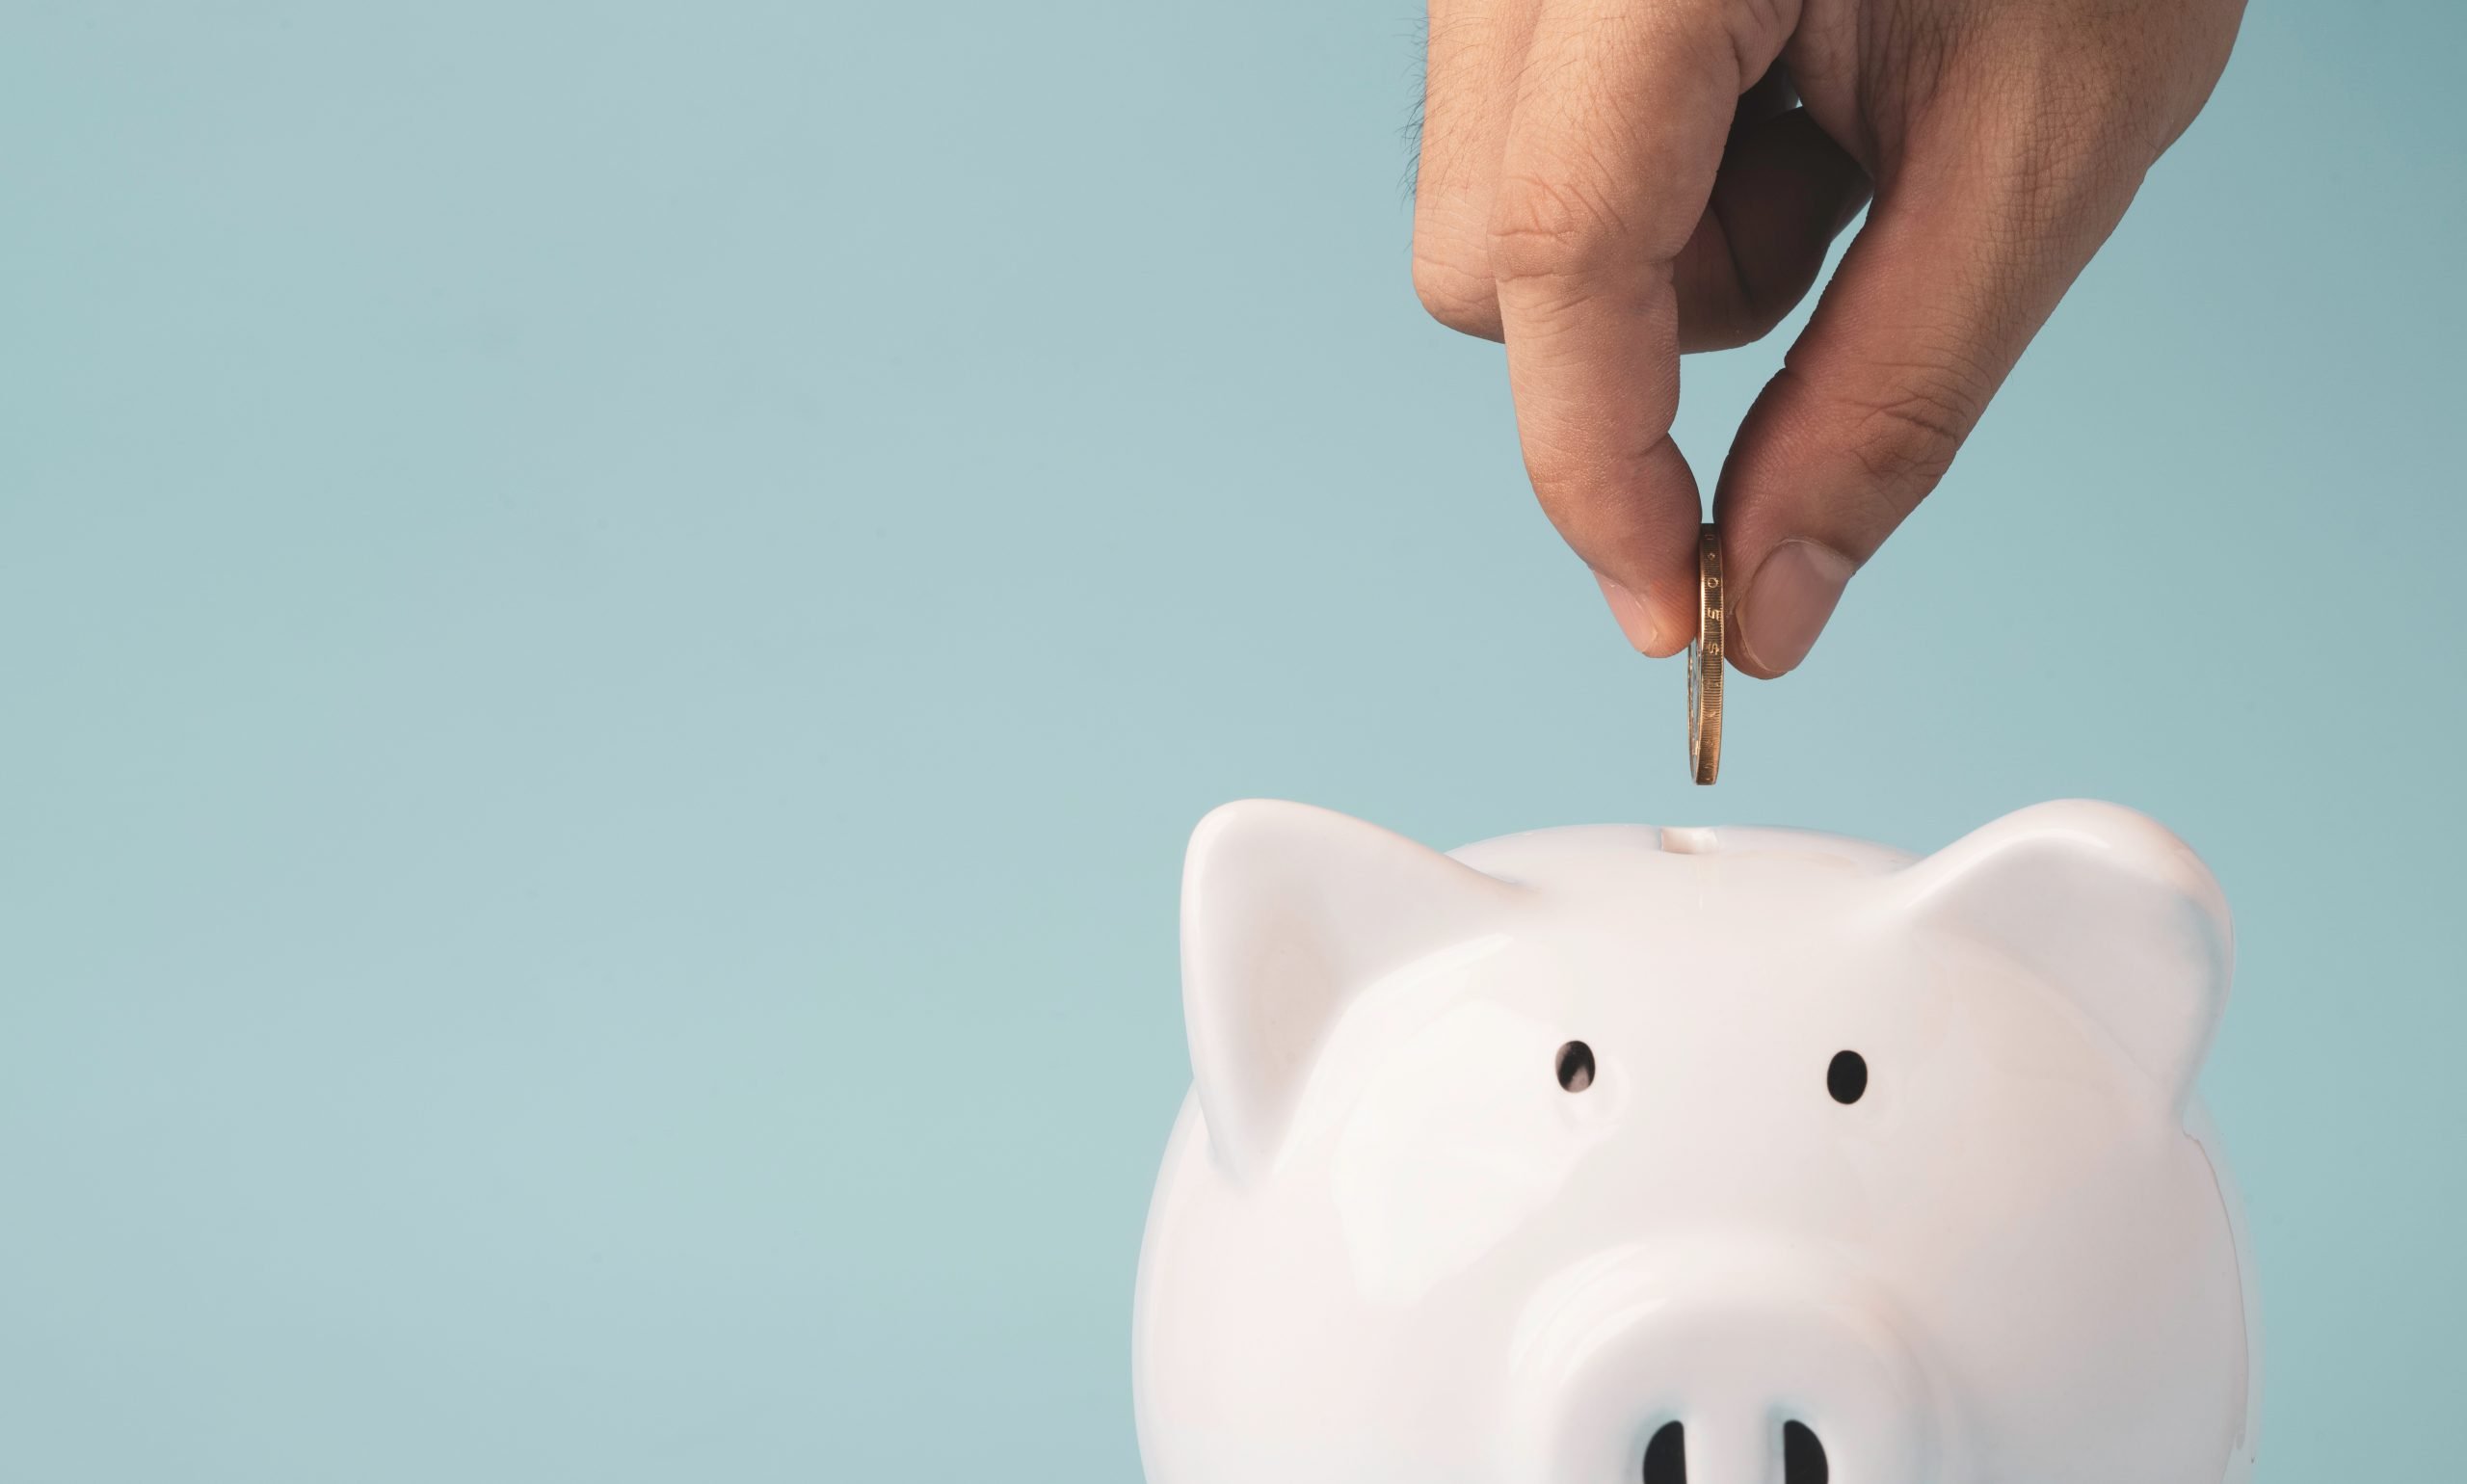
1456,1140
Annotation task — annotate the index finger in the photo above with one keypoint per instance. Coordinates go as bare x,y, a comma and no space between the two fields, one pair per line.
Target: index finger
1611,153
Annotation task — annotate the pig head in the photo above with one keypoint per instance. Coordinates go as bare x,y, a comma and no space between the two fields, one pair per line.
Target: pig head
1611,1154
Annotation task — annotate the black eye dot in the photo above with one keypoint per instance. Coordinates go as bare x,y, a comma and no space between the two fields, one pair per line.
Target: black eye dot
1847,1078
1575,1066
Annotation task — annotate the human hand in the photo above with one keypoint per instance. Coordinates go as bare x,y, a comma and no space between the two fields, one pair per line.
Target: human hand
1607,183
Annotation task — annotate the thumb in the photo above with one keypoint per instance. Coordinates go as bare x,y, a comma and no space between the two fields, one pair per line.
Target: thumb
1937,298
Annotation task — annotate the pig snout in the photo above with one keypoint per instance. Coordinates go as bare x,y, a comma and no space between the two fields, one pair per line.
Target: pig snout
1717,1368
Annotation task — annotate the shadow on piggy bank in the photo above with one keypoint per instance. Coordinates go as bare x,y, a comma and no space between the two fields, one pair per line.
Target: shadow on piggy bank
1732,1156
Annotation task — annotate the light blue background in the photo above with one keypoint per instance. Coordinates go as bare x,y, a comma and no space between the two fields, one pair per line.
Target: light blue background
612,619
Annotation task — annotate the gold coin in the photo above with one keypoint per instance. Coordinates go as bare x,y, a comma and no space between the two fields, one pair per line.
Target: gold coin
1704,662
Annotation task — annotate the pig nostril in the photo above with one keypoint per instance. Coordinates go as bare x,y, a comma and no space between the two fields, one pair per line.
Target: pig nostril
1666,1456
1802,1455
1575,1066
1847,1078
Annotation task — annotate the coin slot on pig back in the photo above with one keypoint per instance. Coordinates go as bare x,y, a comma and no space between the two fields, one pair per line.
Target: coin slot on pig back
1666,1456
1686,841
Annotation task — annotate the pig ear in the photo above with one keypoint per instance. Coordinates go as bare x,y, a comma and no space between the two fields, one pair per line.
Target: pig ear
2104,906
1287,913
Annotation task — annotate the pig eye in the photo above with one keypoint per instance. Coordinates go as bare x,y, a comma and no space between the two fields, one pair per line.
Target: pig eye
1847,1078
1575,1066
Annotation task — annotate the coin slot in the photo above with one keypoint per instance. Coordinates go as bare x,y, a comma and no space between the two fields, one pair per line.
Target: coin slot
1680,842
1575,1066
1803,1459
1666,1456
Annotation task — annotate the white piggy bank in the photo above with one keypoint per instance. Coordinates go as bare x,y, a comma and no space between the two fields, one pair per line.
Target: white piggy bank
1733,1157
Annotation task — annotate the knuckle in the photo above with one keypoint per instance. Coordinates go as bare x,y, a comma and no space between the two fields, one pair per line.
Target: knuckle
2057,130
1454,286
2068,162
1905,440
1755,29
1551,228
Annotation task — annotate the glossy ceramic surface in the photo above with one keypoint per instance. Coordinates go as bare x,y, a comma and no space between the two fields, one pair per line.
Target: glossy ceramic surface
1388,1246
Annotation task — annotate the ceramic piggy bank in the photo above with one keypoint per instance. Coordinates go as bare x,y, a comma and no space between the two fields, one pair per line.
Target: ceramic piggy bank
1625,1155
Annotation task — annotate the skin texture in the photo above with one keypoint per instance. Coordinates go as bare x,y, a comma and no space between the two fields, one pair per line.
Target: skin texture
1606,184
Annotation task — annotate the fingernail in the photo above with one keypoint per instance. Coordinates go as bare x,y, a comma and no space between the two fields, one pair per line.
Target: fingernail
1635,621
1786,604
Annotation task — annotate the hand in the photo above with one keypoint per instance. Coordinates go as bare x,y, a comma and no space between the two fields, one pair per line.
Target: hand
1608,183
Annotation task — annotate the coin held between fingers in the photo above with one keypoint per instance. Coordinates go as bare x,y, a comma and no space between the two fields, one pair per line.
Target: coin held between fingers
1705,662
